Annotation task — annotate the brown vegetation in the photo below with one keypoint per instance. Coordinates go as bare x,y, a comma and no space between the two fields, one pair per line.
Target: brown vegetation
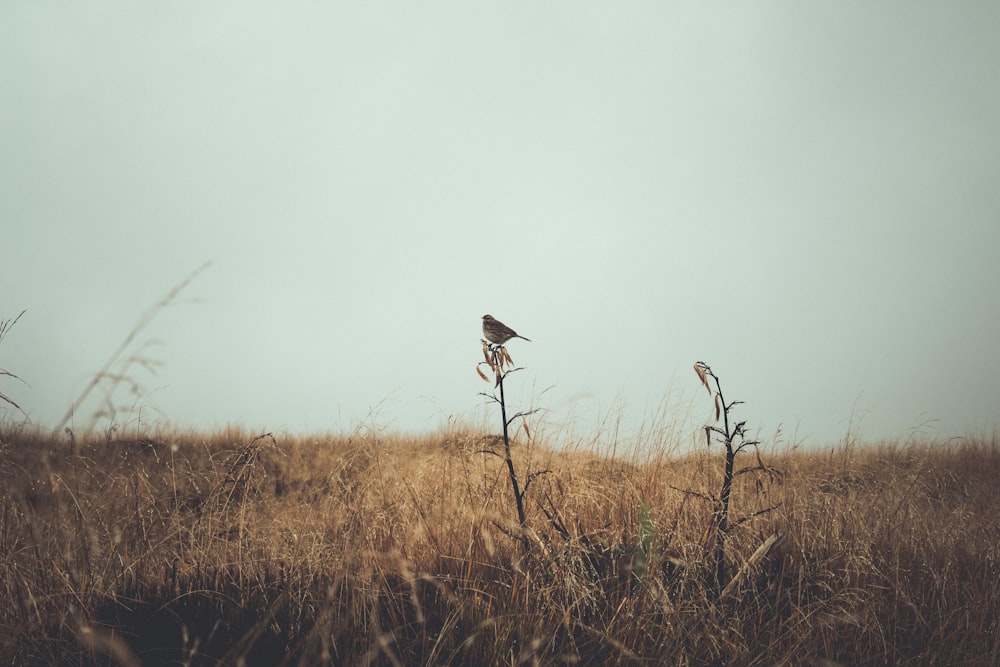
234,549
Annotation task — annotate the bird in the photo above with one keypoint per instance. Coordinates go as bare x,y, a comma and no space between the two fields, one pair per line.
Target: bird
497,332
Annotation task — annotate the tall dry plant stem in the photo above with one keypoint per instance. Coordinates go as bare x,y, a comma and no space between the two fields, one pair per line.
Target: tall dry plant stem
143,322
500,362
734,438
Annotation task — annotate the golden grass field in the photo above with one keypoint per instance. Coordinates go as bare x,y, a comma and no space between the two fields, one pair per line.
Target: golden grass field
373,548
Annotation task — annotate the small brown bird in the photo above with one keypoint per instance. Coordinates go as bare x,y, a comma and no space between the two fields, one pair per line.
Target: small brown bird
497,332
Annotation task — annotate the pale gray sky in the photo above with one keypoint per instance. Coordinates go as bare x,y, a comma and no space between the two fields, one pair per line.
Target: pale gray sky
803,195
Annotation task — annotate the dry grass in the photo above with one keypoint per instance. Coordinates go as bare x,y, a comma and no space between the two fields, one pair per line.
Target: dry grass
229,549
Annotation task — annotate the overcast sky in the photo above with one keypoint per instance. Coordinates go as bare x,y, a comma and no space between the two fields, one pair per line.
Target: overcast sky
806,196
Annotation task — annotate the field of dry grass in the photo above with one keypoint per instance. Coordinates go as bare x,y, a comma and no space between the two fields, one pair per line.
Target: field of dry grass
226,548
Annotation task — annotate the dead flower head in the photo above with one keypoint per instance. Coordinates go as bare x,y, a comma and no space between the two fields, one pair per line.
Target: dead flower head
497,358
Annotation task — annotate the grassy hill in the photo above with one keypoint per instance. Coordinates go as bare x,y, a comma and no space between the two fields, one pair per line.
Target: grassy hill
231,548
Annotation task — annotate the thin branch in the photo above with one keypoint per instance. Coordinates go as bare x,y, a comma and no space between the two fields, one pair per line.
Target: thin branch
747,443
521,414
531,478
757,468
756,514
697,494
